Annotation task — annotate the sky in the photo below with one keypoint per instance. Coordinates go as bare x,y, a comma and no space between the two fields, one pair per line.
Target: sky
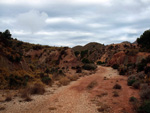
75,22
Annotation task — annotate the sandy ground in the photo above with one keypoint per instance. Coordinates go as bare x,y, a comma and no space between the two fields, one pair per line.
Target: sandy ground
76,98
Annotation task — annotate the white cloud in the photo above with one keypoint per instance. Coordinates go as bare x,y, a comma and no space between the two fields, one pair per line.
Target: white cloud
32,20
62,20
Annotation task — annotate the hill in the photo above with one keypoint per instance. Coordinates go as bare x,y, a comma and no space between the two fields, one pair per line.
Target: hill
22,63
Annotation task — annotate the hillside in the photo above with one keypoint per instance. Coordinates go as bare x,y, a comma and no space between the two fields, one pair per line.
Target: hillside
29,69
22,63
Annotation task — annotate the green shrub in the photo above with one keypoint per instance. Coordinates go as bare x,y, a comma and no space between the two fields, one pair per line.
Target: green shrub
115,66
100,63
136,84
89,66
84,53
46,80
145,107
85,61
130,82
132,99
145,92
76,53
144,41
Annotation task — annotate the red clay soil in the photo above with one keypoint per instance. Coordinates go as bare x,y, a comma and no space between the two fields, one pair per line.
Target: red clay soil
76,98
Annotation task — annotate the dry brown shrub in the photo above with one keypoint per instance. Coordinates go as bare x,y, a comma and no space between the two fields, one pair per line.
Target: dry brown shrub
64,81
115,94
92,85
117,86
73,77
8,98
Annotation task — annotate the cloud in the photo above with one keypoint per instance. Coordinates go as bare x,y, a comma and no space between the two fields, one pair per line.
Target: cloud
74,22
32,20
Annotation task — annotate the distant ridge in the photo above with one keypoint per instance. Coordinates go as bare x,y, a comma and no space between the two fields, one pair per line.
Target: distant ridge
89,46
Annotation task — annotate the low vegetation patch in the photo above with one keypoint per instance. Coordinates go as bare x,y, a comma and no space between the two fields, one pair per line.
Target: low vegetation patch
115,94
92,85
64,81
89,66
2,108
145,92
132,99
8,98
115,66
145,107
102,94
117,86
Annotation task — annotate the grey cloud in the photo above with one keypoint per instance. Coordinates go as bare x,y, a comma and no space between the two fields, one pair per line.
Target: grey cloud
106,23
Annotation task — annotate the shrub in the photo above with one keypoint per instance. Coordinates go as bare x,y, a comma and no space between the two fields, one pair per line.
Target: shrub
115,66
136,84
92,84
145,92
100,63
37,89
131,52
34,89
76,53
28,98
78,70
115,94
64,81
117,86
85,61
122,71
130,82
145,107
8,98
2,108
47,80
132,99
73,77
89,67
144,41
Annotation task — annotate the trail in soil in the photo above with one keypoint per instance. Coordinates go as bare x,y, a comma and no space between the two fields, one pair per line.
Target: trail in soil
77,98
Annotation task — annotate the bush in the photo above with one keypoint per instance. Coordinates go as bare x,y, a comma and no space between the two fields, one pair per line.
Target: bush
115,94
145,107
73,77
132,99
145,92
117,86
78,70
37,89
136,84
144,41
89,66
115,66
64,81
131,80
122,72
76,53
47,80
85,61
92,85
34,89
100,63
8,98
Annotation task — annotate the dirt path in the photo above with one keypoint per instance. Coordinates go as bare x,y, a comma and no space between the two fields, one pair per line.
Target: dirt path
76,98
